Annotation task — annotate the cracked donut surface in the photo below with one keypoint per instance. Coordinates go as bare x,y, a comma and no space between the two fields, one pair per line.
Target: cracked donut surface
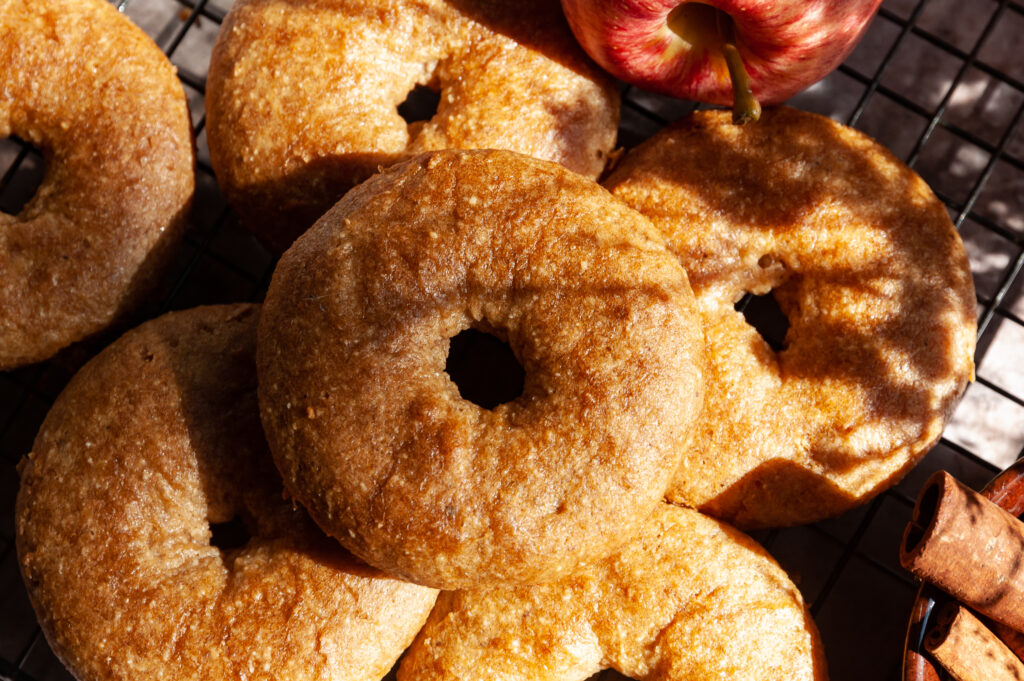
153,445
101,102
872,277
687,599
303,97
374,438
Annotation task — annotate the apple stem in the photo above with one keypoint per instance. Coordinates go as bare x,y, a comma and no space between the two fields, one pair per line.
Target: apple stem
745,107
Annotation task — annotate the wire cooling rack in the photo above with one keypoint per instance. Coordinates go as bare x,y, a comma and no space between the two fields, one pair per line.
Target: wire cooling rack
940,82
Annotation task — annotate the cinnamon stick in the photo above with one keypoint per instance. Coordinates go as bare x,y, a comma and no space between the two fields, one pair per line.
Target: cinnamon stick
969,547
1014,640
968,650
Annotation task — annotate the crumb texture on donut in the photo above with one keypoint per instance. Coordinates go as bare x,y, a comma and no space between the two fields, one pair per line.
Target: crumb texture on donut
153,442
372,435
89,89
872,276
303,96
688,599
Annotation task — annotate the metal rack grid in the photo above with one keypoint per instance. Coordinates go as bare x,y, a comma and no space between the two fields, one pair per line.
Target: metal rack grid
940,82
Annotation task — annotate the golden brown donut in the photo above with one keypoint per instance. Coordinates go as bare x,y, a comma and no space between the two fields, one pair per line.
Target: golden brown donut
80,82
302,97
873,278
687,599
152,443
373,437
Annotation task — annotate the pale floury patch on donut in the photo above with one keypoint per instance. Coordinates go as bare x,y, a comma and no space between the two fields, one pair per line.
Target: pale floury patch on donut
153,442
89,89
687,599
396,465
865,263
302,97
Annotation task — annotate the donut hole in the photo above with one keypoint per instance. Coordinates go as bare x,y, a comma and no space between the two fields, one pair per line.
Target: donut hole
607,675
420,104
23,172
229,535
766,316
484,368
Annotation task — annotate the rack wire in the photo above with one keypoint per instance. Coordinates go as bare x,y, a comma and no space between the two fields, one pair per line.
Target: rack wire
941,82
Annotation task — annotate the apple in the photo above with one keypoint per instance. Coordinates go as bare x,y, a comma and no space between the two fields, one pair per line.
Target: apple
725,52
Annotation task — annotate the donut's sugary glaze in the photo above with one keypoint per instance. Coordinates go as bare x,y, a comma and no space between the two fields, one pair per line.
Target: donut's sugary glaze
151,442
103,104
873,278
687,599
302,97
372,435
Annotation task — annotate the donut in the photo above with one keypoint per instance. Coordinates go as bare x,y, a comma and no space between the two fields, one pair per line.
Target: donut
303,96
687,599
872,277
89,89
153,448
374,438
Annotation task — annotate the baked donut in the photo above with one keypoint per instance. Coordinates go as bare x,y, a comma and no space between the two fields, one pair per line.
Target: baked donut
80,82
687,599
302,97
873,279
152,446
371,434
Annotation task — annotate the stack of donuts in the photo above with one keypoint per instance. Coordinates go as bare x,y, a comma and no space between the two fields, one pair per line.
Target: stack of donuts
301,490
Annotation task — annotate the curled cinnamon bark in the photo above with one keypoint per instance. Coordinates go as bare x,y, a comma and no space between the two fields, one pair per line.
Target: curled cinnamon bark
968,650
1014,640
969,547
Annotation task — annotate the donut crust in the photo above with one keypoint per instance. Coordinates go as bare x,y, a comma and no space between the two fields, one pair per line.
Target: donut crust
152,442
687,599
89,89
302,96
872,276
371,435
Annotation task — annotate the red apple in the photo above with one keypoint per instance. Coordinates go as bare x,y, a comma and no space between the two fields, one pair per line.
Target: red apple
677,47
